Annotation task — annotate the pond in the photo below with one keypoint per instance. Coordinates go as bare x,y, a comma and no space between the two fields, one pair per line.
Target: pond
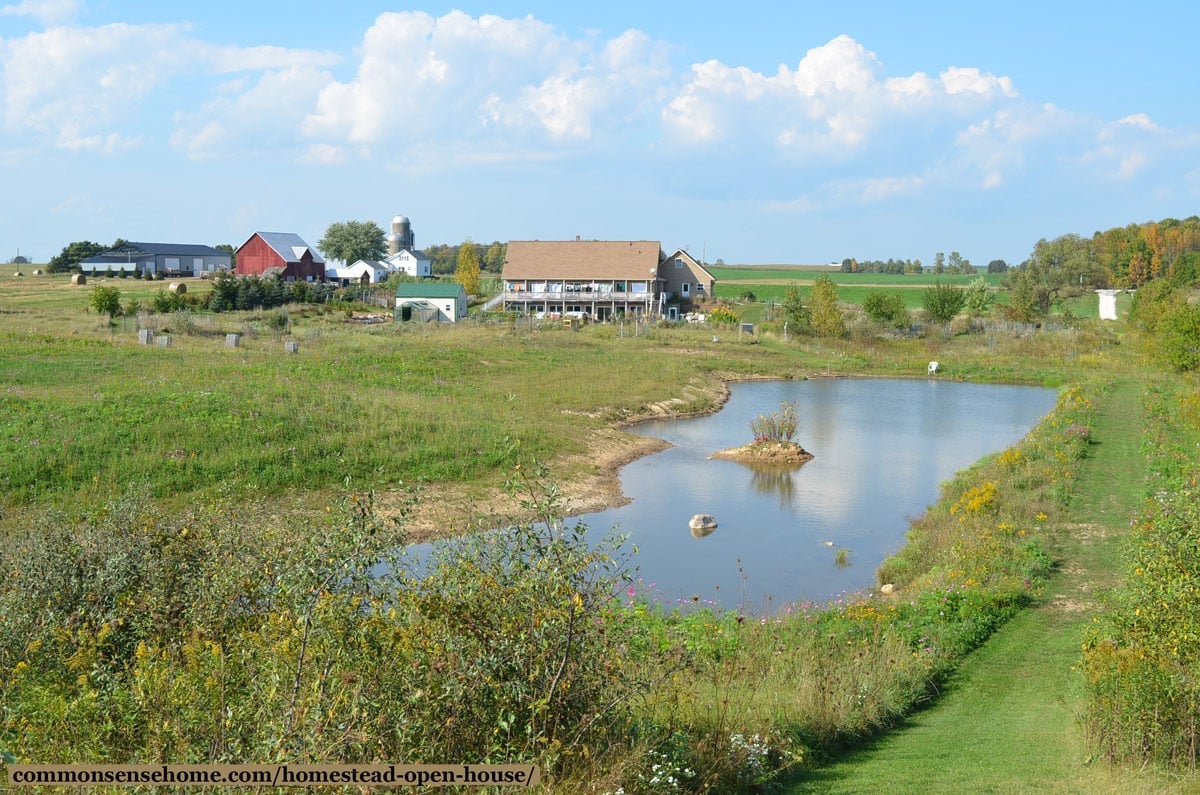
882,448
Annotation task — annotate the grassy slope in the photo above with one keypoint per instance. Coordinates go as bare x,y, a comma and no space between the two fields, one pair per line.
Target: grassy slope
1007,722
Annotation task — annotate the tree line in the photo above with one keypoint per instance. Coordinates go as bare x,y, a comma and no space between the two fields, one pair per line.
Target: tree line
955,263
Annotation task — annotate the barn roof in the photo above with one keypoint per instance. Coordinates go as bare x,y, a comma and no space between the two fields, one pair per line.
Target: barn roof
289,246
582,259
180,249
138,251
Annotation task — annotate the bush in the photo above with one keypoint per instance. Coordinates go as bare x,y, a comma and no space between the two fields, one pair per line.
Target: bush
212,638
942,302
886,307
722,316
106,301
778,426
1179,337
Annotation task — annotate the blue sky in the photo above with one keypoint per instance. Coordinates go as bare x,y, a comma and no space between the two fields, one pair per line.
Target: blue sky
765,132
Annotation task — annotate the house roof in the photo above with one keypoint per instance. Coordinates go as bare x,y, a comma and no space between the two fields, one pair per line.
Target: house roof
290,247
582,259
340,268
431,290
414,254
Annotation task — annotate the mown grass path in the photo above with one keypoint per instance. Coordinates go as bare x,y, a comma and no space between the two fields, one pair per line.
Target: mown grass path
1006,722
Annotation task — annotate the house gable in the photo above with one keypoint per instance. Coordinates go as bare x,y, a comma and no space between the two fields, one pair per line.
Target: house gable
686,279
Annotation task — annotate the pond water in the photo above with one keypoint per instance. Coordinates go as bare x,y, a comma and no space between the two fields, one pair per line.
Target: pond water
882,448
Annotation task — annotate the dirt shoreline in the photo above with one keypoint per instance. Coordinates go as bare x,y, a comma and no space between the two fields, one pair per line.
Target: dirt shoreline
586,483
592,483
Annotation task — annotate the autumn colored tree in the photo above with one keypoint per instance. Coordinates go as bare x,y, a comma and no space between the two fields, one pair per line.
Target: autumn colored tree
466,272
826,317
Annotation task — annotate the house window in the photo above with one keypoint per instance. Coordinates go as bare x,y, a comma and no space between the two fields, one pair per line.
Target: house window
699,288
687,289
679,263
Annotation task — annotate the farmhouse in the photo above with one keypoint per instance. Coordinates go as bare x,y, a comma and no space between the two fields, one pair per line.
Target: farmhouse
361,272
281,253
443,302
402,258
167,259
601,278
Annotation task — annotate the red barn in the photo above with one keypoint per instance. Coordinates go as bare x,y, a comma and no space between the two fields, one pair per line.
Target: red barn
279,252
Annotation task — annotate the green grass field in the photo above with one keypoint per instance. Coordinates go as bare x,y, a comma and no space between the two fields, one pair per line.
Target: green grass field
240,452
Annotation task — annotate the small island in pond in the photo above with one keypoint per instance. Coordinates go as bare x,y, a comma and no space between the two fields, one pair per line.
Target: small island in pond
784,453
772,441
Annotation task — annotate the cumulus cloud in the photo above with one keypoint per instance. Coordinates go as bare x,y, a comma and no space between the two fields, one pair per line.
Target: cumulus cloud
262,115
422,78
1125,148
86,88
835,101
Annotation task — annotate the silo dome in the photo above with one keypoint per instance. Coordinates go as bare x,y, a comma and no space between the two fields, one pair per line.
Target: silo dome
400,220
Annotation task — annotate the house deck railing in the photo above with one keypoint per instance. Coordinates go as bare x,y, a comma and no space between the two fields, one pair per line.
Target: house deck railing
578,295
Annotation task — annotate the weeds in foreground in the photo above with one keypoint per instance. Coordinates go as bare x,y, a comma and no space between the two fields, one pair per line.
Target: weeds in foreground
1142,662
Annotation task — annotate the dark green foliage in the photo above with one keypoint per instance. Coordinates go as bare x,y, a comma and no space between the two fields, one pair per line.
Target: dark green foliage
232,293
1179,336
72,254
886,307
997,266
942,302
351,241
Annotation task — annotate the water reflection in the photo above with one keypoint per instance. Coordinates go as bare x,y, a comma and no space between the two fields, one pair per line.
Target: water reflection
776,479
882,447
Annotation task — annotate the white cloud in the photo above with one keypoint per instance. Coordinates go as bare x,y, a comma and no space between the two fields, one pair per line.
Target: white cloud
1128,147
834,103
497,82
265,115
90,87
48,12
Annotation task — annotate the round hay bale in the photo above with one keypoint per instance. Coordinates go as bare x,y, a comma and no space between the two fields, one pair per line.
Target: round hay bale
177,288
37,272
79,278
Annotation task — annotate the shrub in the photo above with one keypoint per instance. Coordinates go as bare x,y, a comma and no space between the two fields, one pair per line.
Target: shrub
1179,337
978,297
106,301
886,307
721,316
826,317
942,302
777,426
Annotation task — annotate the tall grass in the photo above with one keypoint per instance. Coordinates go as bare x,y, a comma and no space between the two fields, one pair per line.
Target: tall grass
1142,663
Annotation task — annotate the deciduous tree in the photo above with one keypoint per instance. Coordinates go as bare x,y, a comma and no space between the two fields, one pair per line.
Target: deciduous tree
822,305
106,301
942,302
466,272
351,241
